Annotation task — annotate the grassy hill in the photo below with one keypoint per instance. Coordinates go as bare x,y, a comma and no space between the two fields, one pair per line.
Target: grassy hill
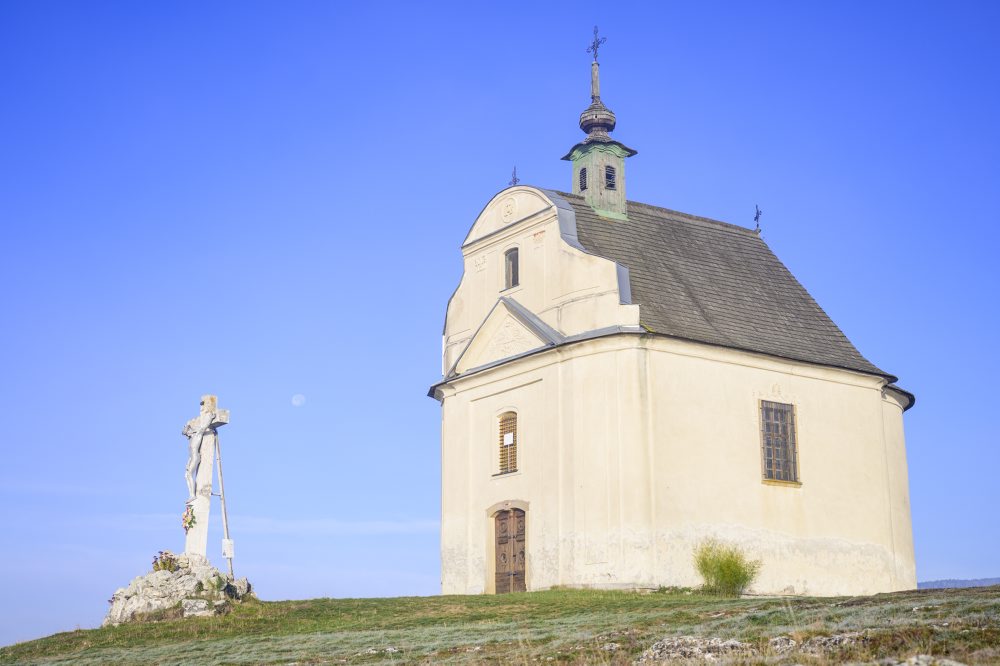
958,582
560,626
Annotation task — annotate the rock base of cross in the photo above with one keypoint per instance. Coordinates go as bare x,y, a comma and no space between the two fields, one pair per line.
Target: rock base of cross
192,588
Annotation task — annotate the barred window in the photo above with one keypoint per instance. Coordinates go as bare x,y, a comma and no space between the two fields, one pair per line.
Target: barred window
511,276
609,178
583,179
508,443
778,443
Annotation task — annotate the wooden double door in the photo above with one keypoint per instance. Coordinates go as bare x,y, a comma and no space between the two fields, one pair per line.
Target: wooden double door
510,551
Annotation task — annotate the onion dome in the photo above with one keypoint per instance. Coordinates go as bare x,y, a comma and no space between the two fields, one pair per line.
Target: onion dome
597,118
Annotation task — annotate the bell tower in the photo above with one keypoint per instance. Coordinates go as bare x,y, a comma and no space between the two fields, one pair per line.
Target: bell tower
599,161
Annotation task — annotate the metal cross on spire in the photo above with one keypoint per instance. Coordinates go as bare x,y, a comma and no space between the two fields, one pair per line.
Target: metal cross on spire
596,44
514,180
756,217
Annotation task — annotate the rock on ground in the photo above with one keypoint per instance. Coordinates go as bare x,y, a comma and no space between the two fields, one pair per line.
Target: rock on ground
781,644
919,660
693,647
197,587
716,649
824,644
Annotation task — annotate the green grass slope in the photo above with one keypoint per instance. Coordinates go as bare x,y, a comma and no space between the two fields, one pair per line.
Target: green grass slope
563,626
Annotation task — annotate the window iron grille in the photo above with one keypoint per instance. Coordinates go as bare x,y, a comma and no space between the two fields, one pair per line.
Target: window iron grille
508,443
779,448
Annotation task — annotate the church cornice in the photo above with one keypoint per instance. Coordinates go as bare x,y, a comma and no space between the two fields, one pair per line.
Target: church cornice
514,190
517,225
435,391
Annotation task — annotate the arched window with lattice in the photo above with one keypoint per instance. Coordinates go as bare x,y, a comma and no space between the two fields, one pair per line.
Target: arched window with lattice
508,443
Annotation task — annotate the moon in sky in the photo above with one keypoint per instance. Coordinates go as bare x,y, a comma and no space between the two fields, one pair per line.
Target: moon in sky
298,400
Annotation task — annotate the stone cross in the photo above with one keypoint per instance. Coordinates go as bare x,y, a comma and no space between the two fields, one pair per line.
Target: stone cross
202,437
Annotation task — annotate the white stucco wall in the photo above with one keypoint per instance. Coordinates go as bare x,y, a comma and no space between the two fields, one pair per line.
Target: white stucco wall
834,533
633,448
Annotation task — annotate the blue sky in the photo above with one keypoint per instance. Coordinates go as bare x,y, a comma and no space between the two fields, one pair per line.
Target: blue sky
261,200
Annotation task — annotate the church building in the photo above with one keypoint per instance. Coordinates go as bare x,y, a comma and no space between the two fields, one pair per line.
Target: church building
622,381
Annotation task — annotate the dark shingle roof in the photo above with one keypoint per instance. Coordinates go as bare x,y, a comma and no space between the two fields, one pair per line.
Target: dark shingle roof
717,283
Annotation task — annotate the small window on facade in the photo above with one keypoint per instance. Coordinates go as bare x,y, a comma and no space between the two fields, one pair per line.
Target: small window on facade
508,443
510,269
583,179
609,178
778,443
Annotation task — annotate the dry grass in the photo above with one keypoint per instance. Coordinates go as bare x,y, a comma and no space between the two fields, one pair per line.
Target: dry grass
561,626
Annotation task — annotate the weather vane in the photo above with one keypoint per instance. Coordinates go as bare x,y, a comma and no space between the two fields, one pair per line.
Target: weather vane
756,217
514,180
596,44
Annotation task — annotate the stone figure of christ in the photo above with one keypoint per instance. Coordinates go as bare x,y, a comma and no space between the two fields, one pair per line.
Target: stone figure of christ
195,431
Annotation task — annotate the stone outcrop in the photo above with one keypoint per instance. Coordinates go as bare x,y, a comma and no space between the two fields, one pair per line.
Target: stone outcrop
195,589
693,647
686,648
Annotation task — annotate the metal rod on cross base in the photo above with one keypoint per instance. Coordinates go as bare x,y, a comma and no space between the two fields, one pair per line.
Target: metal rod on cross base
227,549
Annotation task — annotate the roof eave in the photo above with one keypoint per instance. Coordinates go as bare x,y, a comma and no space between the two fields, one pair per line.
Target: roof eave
628,151
911,399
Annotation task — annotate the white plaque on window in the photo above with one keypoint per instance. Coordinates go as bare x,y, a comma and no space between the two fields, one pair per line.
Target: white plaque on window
508,439
227,548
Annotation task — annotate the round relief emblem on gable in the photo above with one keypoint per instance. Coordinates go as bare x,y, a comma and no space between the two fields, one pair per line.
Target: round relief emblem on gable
508,209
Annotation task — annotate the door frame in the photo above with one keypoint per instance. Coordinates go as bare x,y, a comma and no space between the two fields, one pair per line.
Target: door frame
491,543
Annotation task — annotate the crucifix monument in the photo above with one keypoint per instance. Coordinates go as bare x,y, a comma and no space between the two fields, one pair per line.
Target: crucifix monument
203,439
189,580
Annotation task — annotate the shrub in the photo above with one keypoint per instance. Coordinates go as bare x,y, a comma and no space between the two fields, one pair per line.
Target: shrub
725,569
165,561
